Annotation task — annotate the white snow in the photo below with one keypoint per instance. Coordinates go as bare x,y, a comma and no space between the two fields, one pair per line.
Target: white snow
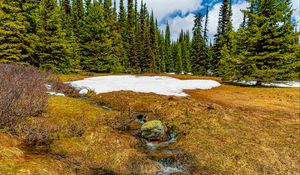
291,84
48,87
161,85
56,94
171,73
282,84
83,91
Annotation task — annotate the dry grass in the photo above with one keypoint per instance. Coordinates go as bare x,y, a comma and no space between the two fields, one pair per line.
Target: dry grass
15,161
229,129
226,130
99,146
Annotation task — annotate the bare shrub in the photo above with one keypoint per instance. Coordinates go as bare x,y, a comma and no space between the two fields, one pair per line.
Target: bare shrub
22,92
39,132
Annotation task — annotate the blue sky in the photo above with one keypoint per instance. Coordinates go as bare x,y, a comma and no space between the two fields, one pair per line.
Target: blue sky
180,13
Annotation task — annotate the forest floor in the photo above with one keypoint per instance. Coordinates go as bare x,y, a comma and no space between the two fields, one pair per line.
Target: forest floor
225,130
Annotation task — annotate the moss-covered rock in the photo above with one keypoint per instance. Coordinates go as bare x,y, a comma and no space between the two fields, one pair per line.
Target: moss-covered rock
153,130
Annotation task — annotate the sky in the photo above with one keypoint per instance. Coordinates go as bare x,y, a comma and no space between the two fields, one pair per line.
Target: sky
180,13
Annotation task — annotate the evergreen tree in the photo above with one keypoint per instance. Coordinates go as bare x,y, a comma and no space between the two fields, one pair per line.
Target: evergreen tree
131,39
142,37
185,46
205,32
12,31
153,44
224,18
123,31
96,44
79,9
51,49
222,37
168,58
162,52
198,48
270,52
66,6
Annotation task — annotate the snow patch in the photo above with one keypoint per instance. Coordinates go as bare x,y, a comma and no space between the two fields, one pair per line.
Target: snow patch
161,85
290,84
83,91
56,94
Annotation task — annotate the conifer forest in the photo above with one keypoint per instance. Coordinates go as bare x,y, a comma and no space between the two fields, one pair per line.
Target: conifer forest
102,36
149,87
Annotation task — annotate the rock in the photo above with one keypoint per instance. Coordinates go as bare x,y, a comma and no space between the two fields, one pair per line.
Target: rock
153,130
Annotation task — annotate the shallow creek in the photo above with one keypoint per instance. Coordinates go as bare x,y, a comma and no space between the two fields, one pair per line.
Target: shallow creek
159,151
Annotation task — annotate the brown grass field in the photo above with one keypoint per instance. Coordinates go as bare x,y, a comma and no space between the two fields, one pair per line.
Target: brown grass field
226,130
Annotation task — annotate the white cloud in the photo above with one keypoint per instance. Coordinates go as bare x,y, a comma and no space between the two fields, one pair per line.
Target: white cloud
296,14
162,8
237,17
179,23
186,23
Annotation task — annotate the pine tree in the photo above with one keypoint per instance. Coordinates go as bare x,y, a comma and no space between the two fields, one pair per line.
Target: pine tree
115,34
108,10
79,9
264,50
123,31
198,48
205,32
270,52
162,52
51,48
153,44
12,31
131,39
223,19
168,58
222,37
96,44
185,46
66,6
149,55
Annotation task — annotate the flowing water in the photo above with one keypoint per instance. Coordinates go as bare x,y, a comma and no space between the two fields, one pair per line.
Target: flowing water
168,164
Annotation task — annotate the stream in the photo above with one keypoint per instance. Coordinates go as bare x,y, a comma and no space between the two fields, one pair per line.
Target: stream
159,151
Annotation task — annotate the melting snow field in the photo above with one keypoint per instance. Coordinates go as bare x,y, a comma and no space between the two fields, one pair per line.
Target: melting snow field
287,84
161,85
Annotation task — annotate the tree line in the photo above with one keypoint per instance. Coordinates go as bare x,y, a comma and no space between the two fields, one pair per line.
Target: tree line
94,35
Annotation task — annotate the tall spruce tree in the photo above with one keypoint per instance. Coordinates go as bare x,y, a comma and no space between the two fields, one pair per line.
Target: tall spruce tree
168,57
221,38
123,31
198,48
51,49
133,62
153,44
205,32
96,44
12,31
269,52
